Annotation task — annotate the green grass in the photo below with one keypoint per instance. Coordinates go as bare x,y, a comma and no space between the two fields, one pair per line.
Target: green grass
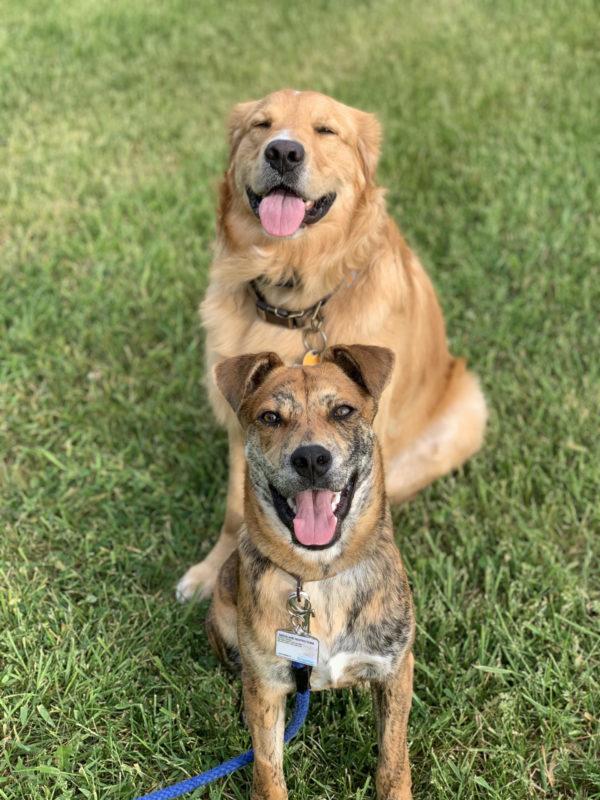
113,473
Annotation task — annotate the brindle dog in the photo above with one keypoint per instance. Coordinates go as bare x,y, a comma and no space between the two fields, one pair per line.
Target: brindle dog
315,507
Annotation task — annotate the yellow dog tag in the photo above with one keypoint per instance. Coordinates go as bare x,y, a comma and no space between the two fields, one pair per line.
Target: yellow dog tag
311,358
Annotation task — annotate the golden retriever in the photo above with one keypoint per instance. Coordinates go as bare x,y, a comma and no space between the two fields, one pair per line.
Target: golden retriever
301,220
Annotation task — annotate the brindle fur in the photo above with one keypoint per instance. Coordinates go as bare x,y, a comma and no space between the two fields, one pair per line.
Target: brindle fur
357,587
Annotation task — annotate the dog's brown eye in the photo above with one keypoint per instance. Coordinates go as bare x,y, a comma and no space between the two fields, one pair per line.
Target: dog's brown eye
265,123
325,130
342,412
270,418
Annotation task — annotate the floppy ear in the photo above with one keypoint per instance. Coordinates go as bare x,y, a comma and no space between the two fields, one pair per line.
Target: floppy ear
239,377
368,366
369,141
237,118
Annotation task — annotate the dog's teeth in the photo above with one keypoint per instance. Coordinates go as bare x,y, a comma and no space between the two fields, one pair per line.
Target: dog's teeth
308,204
335,501
292,504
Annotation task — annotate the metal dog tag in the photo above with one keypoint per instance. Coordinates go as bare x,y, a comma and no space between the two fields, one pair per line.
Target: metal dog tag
297,647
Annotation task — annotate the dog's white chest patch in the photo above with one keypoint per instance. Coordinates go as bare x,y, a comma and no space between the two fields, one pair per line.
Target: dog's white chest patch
338,665
346,668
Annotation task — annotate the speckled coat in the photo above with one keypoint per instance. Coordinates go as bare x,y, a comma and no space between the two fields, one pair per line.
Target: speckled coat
363,616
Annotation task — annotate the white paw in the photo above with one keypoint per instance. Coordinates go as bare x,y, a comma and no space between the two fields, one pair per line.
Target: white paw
197,583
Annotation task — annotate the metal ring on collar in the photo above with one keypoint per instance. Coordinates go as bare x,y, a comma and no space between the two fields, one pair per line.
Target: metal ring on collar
310,332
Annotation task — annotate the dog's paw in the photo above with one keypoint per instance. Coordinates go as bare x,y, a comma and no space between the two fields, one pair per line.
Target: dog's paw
400,793
269,793
197,583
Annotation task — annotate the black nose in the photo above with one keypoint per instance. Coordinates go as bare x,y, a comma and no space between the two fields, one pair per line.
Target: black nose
311,461
283,155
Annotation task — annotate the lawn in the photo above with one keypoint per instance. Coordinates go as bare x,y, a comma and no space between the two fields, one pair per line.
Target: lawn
112,471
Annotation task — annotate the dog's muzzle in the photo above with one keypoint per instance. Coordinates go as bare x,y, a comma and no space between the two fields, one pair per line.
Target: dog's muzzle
282,210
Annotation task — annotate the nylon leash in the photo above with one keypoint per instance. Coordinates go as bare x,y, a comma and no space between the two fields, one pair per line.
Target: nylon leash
302,677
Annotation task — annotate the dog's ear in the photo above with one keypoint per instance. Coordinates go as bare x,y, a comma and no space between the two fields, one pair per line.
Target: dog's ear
369,142
368,366
237,120
238,377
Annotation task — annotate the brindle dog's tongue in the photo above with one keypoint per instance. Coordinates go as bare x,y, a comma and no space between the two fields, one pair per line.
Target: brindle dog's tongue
281,213
315,522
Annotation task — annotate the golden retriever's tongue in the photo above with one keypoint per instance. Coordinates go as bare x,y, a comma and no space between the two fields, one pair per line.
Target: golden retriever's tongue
314,522
281,213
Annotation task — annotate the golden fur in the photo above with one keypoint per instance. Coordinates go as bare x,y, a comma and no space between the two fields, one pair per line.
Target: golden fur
432,415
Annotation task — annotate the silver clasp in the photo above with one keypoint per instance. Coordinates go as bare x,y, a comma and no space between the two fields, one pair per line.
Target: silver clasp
300,611
315,328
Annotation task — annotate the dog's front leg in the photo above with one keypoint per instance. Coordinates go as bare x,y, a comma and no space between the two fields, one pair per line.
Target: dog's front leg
264,707
199,580
391,700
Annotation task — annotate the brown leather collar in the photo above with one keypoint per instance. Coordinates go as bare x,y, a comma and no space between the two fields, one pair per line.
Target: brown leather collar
297,320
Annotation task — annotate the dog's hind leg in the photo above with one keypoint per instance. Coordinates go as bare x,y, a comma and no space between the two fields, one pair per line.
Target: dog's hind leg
453,435
221,620
391,701
199,580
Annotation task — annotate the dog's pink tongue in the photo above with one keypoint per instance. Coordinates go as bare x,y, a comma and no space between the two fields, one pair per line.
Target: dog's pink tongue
314,522
281,213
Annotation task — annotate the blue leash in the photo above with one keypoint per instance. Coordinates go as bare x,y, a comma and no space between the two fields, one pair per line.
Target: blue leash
301,674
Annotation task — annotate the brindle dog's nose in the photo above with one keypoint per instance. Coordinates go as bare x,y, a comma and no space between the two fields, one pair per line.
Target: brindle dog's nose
311,461
284,155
